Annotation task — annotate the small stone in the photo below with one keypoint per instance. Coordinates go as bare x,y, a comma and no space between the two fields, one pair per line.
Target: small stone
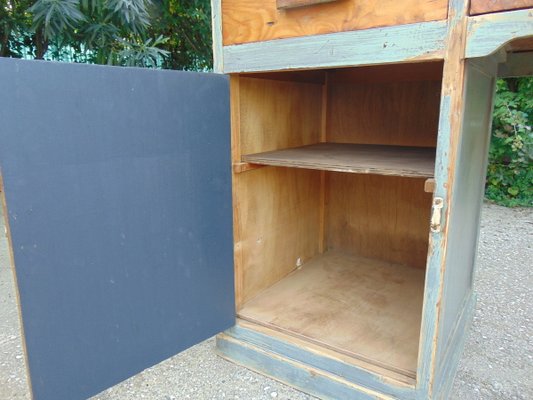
274,395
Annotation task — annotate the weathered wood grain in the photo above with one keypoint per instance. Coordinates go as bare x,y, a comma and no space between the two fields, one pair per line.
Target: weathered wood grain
246,21
216,30
288,4
384,217
317,76
393,113
278,114
452,354
450,128
235,115
314,381
387,73
488,6
395,44
463,222
353,158
350,304
240,167
279,226
276,210
314,355
323,175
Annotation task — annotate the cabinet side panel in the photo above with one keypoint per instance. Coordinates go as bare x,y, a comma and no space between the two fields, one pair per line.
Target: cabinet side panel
277,209
278,114
279,217
401,113
463,223
257,20
381,217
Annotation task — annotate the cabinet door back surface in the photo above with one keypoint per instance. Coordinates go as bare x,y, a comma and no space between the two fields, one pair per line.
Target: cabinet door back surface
118,193
247,21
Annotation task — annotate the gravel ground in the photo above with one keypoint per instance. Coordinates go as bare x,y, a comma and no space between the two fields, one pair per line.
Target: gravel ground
13,382
497,362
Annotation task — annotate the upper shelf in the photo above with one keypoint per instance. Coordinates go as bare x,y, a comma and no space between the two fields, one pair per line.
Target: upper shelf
353,158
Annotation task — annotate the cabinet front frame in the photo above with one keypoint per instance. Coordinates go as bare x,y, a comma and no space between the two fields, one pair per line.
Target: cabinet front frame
458,39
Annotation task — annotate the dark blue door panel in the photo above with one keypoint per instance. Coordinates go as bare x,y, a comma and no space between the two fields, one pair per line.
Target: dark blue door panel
118,190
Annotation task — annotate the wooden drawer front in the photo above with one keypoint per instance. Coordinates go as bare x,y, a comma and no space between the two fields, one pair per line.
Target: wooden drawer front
488,6
247,21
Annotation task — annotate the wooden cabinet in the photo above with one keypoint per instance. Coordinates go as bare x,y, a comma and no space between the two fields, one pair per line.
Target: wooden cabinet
331,220
357,183
328,237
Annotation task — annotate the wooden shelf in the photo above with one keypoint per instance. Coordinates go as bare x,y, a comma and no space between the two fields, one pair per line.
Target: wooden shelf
353,158
368,309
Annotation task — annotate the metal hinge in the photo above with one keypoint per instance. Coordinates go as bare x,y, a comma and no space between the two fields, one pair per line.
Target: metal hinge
436,214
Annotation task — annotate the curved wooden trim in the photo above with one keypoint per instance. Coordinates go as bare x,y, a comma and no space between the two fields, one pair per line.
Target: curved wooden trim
488,33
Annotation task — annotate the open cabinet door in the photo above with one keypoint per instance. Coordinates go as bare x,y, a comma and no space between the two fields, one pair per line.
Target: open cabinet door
118,193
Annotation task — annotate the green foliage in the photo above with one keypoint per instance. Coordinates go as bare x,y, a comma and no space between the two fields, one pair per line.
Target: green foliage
15,27
145,54
187,25
132,13
158,34
55,16
510,169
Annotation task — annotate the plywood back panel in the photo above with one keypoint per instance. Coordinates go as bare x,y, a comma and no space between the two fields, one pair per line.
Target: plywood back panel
396,113
307,75
379,217
247,21
278,114
279,224
422,71
488,6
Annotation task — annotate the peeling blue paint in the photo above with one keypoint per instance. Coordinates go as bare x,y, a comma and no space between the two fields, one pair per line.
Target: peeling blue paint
315,382
364,47
344,370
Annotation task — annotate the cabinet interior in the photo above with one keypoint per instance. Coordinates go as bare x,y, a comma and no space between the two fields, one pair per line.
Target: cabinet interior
331,220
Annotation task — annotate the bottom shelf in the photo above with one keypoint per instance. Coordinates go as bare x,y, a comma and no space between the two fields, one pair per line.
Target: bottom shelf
365,308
